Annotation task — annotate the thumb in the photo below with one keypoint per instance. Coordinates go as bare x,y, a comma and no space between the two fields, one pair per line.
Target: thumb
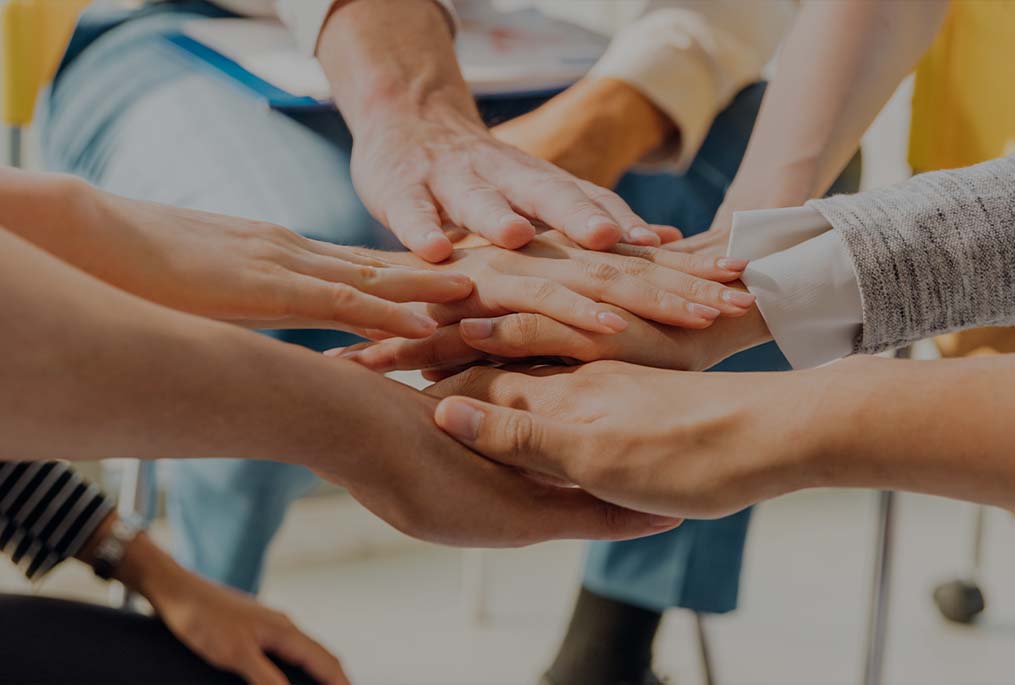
509,436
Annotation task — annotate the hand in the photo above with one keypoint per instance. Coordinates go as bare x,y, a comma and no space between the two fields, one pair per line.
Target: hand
672,443
713,242
425,484
226,628
596,129
555,278
257,274
534,336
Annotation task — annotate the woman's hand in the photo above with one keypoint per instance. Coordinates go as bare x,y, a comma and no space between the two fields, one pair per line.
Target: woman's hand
232,269
670,443
228,629
596,129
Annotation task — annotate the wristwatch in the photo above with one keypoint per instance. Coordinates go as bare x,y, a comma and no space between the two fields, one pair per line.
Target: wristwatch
111,550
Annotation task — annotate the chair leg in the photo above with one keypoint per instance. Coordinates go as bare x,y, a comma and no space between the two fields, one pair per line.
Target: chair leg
15,143
877,622
707,669
474,586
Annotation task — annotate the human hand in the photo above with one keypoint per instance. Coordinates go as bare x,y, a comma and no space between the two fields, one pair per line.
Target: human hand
417,173
596,129
518,337
254,273
672,443
713,242
554,277
228,629
428,486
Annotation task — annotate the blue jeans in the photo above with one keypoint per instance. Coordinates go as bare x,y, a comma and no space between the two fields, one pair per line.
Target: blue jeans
132,115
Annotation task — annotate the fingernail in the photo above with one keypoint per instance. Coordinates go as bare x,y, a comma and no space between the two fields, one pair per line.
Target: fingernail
662,521
738,298
425,322
730,264
434,236
460,279
614,322
476,328
460,419
598,222
703,310
643,235
335,352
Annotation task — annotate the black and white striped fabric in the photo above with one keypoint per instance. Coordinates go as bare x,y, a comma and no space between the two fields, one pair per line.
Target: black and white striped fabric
47,512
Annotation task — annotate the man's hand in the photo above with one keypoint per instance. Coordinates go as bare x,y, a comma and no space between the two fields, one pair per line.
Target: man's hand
422,157
677,444
596,129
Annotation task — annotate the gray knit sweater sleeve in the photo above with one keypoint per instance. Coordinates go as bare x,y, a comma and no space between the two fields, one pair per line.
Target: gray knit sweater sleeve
933,254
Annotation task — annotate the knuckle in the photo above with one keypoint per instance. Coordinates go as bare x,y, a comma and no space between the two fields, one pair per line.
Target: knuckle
603,272
541,290
343,296
524,326
367,274
636,267
518,433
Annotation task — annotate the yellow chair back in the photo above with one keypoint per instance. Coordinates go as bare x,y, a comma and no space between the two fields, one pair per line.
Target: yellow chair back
33,35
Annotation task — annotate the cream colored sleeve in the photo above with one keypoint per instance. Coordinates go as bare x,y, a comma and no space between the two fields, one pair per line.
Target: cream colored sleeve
305,18
691,58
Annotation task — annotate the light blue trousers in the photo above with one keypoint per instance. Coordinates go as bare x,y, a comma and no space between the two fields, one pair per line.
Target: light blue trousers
132,115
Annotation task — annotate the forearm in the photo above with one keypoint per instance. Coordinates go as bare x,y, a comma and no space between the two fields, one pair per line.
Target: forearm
840,64
92,372
391,58
940,428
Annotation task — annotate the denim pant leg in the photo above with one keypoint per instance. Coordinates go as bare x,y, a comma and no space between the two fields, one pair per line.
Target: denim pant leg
135,117
697,566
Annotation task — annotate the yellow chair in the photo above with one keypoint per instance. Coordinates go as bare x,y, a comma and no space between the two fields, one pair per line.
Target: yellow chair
33,35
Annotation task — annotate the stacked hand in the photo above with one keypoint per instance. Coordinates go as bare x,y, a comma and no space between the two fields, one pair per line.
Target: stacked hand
673,443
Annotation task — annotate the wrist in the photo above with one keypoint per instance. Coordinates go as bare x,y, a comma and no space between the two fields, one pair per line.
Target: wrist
149,571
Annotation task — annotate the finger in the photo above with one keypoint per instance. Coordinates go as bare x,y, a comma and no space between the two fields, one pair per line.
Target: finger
728,300
444,349
316,299
575,514
412,215
667,234
721,269
607,281
390,283
532,335
542,296
553,196
300,650
512,437
259,670
707,241
635,230
472,202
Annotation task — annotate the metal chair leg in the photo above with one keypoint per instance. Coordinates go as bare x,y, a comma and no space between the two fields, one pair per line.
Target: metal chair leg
15,143
707,669
877,622
474,586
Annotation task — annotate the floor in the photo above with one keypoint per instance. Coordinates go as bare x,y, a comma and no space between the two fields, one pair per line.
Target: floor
397,612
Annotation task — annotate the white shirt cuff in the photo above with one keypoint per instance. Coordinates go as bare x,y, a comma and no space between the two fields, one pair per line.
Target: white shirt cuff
804,279
305,19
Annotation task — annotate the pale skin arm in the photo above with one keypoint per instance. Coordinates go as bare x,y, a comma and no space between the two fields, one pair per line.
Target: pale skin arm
706,445
421,152
92,372
229,268
839,66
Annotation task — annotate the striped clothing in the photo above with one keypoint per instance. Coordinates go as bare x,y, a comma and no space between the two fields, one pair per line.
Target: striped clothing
47,513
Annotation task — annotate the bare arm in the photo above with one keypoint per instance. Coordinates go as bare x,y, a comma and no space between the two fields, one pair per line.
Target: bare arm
838,67
421,152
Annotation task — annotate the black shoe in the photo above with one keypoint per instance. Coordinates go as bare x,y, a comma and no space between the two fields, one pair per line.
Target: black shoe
649,678
608,642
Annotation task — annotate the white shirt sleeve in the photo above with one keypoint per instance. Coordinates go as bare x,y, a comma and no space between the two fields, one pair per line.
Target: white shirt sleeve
305,18
804,279
691,58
